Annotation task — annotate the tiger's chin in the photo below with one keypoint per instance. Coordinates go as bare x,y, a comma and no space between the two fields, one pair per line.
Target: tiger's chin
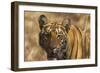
57,56
55,59
52,58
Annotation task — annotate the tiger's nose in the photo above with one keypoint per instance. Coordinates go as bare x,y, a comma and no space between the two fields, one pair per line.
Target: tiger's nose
58,46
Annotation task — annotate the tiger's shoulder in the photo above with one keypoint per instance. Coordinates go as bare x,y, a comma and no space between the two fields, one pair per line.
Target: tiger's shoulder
75,30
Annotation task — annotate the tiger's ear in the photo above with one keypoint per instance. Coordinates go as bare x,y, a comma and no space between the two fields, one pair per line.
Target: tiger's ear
42,21
66,23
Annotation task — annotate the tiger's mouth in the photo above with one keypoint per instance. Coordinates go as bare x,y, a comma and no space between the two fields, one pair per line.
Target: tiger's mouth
57,53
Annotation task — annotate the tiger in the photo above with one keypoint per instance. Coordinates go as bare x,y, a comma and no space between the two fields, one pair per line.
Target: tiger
61,40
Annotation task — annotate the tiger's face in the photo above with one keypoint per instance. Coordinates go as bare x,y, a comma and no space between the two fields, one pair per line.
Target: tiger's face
53,38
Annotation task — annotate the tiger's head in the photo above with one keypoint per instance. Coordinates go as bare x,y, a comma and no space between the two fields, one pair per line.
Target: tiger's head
53,38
